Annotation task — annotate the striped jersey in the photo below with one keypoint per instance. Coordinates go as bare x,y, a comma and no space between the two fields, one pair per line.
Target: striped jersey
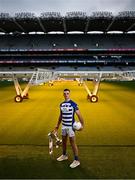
68,109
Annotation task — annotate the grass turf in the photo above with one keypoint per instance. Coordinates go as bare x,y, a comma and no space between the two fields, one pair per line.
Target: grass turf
96,162
106,144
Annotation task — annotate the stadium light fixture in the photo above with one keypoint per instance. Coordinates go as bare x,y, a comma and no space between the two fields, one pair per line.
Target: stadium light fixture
95,32
131,32
2,33
126,14
33,32
102,14
75,32
25,15
54,45
38,32
49,15
4,16
55,32
76,14
115,32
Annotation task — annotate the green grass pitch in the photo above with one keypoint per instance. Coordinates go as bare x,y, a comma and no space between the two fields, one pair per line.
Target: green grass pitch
106,145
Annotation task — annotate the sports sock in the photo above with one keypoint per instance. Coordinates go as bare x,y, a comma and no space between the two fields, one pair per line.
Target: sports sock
64,153
76,158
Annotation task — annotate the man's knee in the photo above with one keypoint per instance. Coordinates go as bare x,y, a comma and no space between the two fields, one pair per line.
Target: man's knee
64,138
72,140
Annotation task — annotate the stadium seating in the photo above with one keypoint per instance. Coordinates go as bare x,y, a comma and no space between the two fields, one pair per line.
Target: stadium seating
29,40
94,41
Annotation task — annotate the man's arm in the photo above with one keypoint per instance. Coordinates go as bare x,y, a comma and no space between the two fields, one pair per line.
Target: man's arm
80,117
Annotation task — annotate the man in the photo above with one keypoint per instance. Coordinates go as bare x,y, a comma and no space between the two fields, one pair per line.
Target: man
67,110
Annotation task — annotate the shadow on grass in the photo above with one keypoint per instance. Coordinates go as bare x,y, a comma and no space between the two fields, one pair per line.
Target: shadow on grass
12,168
97,161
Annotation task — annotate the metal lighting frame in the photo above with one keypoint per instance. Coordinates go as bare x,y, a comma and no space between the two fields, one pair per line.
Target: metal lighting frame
44,75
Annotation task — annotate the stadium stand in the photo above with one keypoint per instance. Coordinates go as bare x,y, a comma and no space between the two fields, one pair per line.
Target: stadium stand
25,39
62,41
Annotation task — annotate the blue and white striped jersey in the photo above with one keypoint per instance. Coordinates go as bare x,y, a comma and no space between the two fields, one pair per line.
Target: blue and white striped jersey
68,109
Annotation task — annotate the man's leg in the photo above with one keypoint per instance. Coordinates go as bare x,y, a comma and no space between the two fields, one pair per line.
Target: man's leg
74,147
76,161
64,148
64,144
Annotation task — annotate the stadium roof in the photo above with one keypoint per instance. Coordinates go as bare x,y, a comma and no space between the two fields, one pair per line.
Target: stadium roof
73,21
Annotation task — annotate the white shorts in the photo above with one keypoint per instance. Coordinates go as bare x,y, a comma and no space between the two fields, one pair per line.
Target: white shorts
68,131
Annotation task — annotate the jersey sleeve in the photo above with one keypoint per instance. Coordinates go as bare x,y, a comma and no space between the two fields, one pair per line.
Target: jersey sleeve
75,106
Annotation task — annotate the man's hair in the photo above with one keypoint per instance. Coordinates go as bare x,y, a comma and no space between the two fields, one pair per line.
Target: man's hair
66,90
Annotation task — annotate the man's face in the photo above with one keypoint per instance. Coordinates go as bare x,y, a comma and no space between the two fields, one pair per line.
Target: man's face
66,95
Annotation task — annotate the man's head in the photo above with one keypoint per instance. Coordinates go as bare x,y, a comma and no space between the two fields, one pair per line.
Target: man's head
66,94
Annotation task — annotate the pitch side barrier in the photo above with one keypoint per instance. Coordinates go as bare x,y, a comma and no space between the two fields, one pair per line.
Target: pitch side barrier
44,75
